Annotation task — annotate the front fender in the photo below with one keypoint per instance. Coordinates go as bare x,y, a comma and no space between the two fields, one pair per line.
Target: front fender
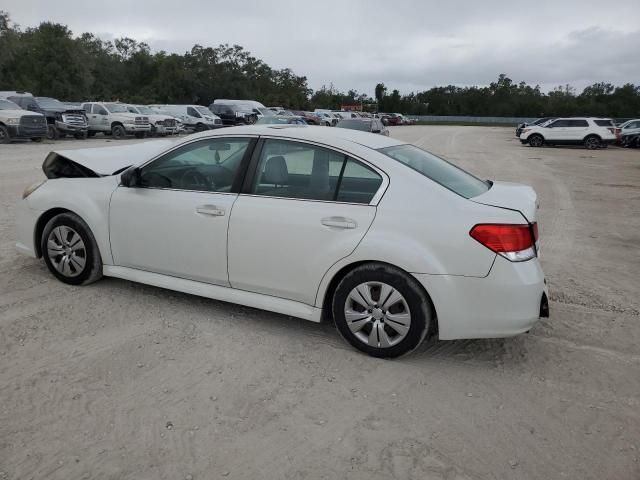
86,197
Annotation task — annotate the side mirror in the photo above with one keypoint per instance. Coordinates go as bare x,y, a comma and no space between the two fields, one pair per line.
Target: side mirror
130,178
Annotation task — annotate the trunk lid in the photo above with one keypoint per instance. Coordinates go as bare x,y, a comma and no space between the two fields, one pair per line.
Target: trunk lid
512,196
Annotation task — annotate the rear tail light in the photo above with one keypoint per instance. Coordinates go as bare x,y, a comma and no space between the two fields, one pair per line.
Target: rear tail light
516,242
612,130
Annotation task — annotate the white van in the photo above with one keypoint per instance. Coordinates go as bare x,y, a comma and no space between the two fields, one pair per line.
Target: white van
194,117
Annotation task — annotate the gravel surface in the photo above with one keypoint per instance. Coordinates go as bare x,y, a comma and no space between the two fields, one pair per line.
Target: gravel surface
123,381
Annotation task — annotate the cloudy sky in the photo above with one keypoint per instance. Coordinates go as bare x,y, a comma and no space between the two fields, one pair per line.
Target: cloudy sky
410,45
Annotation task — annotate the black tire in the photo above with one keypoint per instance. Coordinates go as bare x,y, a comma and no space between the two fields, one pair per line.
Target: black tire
200,127
37,139
81,136
91,134
92,269
52,132
592,142
536,140
4,135
419,305
140,134
154,131
118,132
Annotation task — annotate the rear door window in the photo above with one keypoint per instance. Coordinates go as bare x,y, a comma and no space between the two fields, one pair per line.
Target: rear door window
578,123
309,172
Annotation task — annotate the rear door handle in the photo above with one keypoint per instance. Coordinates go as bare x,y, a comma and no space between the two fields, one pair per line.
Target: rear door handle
210,210
339,222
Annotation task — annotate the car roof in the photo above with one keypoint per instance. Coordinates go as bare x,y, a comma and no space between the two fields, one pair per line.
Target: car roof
303,132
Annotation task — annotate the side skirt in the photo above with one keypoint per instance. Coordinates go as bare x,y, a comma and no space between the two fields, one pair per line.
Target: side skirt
217,292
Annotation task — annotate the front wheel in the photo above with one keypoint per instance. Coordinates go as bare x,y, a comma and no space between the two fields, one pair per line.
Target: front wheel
536,141
592,142
52,132
81,136
381,310
70,250
4,135
118,132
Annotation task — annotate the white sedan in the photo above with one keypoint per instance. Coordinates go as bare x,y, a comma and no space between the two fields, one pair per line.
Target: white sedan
391,241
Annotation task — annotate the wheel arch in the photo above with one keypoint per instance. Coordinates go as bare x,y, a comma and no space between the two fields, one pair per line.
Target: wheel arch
116,123
592,135
327,295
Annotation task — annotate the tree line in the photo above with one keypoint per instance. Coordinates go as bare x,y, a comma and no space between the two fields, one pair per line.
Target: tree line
49,60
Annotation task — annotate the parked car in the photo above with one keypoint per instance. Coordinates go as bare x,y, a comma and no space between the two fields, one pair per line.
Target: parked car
310,118
342,115
539,121
246,106
161,124
114,119
591,132
628,129
323,224
194,118
372,125
631,139
282,120
61,119
16,123
233,114
327,118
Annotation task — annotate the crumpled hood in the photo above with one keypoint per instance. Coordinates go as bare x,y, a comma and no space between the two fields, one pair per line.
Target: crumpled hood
107,160
513,196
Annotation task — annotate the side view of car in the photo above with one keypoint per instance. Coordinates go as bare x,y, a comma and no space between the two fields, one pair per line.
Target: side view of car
392,242
61,119
627,130
115,119
16,123
591,132
326,117
233,114
309,117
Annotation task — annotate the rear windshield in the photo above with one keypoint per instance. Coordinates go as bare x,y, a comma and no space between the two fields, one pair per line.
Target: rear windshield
438,170
604,123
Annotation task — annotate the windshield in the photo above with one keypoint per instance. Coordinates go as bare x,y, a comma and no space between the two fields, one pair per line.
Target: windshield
145,110
266,112
8,105
438,170
46,102
116,108
355,125
204,111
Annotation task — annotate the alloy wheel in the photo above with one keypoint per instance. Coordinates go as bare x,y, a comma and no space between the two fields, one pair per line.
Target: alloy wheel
67,251
377,314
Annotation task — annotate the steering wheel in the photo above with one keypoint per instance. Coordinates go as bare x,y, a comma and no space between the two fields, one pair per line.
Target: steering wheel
192,179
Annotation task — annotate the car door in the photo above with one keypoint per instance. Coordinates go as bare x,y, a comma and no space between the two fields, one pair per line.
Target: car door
174,219
303,207
557,130
577,130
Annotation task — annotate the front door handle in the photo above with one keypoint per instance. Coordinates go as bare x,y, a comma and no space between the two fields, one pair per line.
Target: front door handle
210,210
339,222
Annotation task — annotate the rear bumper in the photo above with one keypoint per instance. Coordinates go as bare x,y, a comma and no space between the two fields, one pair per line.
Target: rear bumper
507,302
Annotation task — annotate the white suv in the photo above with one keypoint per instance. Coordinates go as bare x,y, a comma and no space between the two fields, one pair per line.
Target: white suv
591,132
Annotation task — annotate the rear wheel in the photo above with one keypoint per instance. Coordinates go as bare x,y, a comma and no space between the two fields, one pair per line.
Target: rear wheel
536,140
118,132
381,310
81,136
592,142
201,127
37,139
4,135
70,250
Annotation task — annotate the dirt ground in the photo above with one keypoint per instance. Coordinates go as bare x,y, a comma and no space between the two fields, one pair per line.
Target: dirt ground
124,381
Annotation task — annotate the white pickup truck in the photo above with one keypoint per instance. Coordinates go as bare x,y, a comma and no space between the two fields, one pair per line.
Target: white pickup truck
116,120
18,123
161,124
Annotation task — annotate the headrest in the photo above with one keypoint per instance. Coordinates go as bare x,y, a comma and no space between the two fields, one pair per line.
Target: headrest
275,171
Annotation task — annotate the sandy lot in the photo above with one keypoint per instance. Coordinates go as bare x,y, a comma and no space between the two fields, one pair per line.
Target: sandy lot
123,381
